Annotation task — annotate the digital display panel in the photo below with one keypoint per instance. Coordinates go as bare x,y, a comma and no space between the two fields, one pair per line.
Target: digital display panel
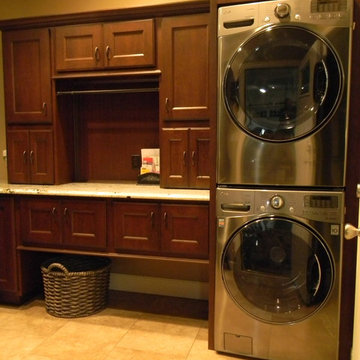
321,202
319,6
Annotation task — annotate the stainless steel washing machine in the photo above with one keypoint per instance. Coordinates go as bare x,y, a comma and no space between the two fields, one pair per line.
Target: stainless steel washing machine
283,92
278,271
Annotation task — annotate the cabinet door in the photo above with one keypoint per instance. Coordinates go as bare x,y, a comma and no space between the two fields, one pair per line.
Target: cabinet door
84,224
136,227
30,156
184,63
199,149
27,76
130,43
40,222
79,47
18,156
41,157
174,158
7,247
185,231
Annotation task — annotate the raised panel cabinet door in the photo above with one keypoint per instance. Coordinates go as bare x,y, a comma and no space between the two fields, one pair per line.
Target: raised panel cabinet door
18,156
79,47
40,222
84,224
7,247
184,64
199,149
136,227
174,158
41,159
184,230
130,43
27,76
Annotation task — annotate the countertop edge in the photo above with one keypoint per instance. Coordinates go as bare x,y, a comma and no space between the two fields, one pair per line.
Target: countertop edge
107,190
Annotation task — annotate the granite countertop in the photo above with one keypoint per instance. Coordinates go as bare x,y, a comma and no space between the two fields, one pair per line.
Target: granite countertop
129,190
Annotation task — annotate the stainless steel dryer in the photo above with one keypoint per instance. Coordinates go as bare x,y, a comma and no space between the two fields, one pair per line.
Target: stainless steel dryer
283,92
278,270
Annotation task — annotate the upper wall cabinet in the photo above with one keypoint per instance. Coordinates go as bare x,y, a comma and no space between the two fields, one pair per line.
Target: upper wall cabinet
100,46
27,76
184,64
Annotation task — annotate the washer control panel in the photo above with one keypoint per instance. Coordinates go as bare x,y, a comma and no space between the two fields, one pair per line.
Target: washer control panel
325,206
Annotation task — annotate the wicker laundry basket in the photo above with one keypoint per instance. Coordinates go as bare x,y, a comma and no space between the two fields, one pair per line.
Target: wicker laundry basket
75,286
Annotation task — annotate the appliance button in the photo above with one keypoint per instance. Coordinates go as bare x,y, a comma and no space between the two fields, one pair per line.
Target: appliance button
297,17
277,202
282,10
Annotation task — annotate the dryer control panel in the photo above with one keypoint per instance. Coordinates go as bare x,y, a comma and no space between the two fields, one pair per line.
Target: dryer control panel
243,17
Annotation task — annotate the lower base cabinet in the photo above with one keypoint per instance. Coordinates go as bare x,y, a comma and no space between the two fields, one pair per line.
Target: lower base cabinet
70,224
161,229
8,279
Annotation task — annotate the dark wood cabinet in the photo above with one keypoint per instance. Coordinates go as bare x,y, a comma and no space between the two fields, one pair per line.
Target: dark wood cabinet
8,280
136,227
70,224
100,46
27,76
163,229
185,160
184,230
30,156
184,64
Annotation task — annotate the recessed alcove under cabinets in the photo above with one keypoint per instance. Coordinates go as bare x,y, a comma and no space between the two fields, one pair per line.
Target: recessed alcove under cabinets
109,123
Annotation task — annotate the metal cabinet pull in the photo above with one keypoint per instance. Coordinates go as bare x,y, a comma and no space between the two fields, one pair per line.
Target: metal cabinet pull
66,211
165,217
107,52
31,156
152,218
53,211
167,104
24,156
184,157
44,108
97,53
193,154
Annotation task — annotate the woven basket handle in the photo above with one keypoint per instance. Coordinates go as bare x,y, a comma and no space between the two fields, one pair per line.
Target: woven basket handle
58,266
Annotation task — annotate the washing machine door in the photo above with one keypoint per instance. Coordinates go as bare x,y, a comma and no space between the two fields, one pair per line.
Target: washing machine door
277,269
282,84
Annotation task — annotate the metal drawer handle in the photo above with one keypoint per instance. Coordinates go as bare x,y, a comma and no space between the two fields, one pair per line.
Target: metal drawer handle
193,154
107,52
31,156
152,218
97,53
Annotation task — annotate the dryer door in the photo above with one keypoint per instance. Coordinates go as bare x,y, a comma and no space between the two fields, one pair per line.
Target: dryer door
283,83
277,269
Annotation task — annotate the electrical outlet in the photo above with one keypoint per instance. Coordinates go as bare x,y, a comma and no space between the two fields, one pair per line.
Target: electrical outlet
136,161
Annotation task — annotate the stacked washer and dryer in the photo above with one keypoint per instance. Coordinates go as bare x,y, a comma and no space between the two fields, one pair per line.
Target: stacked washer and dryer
281,151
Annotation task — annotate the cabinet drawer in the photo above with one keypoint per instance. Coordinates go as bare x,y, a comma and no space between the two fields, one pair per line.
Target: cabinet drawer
185,230
40,222
136,227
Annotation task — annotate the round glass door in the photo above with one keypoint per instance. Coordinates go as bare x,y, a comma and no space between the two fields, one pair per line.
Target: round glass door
282,84
277,270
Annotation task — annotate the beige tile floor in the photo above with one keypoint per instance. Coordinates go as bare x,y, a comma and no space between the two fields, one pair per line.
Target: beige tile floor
30,333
